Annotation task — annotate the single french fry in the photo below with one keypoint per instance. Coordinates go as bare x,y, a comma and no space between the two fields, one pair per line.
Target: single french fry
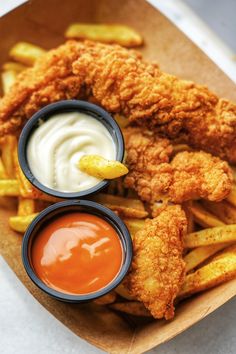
130,208
123,292
123,35
21,223
189,216
106,299
8,79
180,148
9,188
8,149
223,210
26,53
26,188
26,207
122,121
134,225
131,194
200,254
231,249
2,141
16,67
234,173
212,236
203,217
3,172
134,308
221,269
121,191
99,167
117,200
116,187
232,196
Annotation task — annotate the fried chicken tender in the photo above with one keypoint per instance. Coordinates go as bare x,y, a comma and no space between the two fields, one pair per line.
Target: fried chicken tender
158,270
120,81
188,176
49,80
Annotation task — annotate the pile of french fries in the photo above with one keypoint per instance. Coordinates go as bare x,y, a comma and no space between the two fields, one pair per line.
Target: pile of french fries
210,245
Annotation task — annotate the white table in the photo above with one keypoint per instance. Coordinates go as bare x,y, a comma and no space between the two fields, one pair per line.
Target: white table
27,328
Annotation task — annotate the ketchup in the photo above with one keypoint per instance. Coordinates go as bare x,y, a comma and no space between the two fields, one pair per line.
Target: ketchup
77,253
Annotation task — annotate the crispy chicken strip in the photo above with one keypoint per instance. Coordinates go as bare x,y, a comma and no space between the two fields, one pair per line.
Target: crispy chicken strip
49,80
120,81
158,270
190,175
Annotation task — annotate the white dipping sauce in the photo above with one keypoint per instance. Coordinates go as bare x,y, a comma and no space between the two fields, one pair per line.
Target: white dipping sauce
56,146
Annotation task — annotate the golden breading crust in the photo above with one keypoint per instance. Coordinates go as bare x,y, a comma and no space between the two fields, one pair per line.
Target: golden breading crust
158,270
120,81
190,175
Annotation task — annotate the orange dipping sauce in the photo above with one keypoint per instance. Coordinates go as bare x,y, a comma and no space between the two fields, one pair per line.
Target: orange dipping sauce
77,253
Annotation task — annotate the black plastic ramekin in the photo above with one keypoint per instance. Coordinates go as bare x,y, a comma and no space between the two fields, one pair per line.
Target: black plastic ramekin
61,107
70,206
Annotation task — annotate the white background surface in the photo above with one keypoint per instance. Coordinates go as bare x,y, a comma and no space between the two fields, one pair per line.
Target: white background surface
27,328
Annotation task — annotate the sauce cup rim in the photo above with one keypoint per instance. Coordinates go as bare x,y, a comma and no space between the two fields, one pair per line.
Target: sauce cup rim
60,107
59,209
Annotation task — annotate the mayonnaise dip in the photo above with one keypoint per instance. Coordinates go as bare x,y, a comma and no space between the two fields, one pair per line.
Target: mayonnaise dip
56,146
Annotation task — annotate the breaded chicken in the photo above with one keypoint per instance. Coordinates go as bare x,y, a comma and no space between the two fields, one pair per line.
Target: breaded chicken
190,175
121,81
49,80
199,175
158,270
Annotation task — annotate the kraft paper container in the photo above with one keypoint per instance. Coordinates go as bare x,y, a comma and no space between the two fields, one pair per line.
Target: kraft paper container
43,22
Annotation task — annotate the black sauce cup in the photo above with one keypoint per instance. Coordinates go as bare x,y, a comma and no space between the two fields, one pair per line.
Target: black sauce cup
62,208
62,107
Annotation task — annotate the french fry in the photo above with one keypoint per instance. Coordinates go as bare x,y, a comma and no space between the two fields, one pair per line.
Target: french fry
234,173
230,250
223,210
9,188
21,223
8,149
26,188
180,148
232,196
212,236
123,292
200,254
134,225
3,172
122,121
2,141
189,216
116,187
8,79
221,269
120,34
97,166
16,67
26,207
121,191
129,208
203,217
134,308
26,53
106,299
